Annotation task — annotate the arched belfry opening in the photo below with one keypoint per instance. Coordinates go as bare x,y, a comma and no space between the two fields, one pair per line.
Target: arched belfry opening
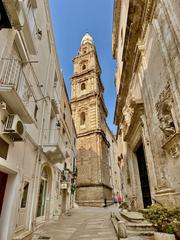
83,86
82,118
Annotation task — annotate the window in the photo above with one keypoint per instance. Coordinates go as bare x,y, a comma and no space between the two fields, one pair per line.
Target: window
35,112
84,50
25,194
83,86
65,165
83,66
3,149
64,131
82,118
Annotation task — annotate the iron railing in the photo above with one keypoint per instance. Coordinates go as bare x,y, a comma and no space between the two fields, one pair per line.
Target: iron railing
12,74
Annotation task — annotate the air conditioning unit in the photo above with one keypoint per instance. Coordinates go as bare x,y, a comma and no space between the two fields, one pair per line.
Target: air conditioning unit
14,128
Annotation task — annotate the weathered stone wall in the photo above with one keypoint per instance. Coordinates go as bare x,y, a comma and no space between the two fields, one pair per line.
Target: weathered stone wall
88,160
148,101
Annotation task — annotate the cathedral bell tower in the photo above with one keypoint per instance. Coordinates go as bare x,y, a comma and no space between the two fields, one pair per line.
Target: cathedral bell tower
89,114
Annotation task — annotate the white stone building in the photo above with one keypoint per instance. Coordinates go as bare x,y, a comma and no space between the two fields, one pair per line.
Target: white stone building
37,135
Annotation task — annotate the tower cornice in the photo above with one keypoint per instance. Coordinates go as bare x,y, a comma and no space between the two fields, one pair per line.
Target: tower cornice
95,131
86,72
90,95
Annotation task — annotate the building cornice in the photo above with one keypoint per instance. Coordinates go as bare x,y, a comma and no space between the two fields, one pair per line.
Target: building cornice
139,15
95,131
85,72
90,95
83,97
80,185
116,23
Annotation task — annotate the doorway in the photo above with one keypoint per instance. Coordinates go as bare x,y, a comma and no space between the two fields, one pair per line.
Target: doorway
143,176
3,181
42,194
64,195
21,222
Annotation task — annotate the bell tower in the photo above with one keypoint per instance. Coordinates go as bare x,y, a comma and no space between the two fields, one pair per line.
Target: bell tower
89,114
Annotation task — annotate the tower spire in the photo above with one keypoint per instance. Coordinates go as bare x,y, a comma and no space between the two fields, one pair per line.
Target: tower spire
87,39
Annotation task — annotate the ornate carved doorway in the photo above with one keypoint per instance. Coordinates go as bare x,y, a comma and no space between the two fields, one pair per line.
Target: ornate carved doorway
143,176
3,181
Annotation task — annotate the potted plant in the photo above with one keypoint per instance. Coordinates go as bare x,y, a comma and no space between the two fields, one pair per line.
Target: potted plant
165,220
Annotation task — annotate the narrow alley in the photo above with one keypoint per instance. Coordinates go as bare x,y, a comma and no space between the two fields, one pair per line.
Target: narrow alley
89,117
79,224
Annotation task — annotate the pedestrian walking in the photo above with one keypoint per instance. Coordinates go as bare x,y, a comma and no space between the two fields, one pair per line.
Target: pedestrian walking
119,200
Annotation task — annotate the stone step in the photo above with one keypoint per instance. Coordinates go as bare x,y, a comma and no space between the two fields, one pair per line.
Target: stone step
137,226
144,226
140,233
140,238
23,235
132,216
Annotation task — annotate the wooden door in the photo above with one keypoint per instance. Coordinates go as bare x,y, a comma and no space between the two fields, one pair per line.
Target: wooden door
21,221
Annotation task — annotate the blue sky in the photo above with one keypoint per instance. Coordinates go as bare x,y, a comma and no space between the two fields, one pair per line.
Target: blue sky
71,20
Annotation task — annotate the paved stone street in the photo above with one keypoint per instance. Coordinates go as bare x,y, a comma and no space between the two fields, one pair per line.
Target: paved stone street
80,224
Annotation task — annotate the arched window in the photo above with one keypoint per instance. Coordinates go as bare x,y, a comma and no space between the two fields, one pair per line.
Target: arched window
82,118
83,66
83,86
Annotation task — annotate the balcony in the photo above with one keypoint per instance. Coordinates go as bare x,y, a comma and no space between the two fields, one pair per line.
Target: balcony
54,146
14,13
14,88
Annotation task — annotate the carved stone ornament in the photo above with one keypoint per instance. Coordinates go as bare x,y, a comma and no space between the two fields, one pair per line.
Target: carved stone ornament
174,150
163,107
172,146
128,112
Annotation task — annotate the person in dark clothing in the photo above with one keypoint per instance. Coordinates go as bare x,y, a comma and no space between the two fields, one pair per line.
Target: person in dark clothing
105,202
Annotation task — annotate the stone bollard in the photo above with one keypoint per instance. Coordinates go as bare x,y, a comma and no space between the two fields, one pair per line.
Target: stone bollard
122,233
112,214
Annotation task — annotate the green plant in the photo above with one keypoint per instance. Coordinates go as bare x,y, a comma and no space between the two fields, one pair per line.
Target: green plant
73,188
163,218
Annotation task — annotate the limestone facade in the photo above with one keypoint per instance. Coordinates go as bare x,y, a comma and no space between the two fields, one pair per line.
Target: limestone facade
37,134
114,165
146,47
89,113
